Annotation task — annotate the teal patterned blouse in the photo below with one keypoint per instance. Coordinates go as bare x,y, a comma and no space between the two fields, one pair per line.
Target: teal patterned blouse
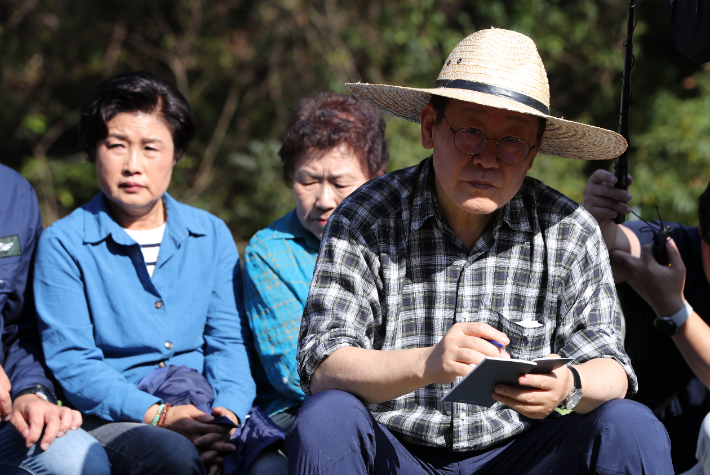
278,267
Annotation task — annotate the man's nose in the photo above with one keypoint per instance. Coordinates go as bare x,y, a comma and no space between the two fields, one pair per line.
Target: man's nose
488,156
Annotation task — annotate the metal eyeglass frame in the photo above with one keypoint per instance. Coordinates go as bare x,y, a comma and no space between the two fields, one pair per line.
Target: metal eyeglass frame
485,142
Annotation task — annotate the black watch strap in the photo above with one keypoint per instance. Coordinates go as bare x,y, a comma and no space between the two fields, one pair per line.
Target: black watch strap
41,391
577,379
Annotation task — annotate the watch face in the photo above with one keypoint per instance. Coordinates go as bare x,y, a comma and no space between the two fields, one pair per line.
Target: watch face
665,326
573,399
42,395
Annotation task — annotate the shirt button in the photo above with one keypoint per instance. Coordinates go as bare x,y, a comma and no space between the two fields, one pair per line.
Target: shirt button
161,364
158,304
284,380
168,345
462,416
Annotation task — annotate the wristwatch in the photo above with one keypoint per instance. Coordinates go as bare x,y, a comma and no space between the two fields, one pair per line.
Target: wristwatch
571,401
669,325
39,391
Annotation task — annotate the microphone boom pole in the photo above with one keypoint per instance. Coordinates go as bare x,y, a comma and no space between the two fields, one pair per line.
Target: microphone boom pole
621,167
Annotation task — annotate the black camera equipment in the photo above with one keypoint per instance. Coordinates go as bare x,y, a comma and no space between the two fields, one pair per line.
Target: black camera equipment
659,242
621,168
661,234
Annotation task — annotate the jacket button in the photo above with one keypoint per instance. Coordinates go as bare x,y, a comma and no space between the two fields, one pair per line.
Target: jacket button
159,304
161,364
168,345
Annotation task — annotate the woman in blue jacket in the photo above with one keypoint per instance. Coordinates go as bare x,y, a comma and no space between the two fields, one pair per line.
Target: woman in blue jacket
134,281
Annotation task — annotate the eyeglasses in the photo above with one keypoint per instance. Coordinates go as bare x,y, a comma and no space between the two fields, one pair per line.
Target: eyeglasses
471,141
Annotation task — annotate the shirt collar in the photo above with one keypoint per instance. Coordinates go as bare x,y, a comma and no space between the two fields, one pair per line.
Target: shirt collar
519,213
289,227
99,224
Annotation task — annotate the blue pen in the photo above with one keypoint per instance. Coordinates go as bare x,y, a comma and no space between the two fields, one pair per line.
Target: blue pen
495,343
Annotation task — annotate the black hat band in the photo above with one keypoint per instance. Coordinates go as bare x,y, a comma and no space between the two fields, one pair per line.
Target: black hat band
494,91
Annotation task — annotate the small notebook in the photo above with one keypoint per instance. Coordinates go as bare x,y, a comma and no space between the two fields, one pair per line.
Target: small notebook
477,386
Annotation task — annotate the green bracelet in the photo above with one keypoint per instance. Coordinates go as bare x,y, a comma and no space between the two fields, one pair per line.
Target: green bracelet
157,415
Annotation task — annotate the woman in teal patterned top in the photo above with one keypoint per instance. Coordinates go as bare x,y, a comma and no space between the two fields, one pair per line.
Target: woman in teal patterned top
333,144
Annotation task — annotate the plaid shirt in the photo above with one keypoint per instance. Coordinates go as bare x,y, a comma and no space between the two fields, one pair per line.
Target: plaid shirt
391,275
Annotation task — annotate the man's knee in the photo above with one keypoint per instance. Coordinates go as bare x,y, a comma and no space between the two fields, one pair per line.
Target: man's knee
623,422
616,411
334,421
336,409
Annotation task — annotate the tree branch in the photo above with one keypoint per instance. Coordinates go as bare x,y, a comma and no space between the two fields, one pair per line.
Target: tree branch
204,174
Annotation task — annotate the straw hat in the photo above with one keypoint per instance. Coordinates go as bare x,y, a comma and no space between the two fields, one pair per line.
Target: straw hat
501,69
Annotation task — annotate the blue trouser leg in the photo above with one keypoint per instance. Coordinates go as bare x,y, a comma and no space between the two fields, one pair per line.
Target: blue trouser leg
141,449
619,437
333,430
76,453
334,433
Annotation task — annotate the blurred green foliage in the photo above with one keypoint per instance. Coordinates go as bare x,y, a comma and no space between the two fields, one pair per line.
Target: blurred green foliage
243,65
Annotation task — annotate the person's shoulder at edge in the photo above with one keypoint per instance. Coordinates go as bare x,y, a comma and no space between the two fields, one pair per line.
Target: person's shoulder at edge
14,185
379,198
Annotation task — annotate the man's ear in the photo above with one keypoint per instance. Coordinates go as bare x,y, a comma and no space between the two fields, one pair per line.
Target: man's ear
533,153
428,123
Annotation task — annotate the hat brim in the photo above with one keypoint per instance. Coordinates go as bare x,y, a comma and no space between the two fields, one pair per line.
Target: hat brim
563,138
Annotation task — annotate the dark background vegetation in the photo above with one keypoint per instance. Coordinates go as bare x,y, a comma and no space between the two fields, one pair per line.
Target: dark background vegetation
243,65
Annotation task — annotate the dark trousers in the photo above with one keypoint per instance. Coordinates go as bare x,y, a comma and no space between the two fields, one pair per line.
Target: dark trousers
334,433
141,449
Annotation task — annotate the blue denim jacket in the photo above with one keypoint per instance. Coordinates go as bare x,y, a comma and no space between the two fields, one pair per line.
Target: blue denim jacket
106,324
278,268
20,228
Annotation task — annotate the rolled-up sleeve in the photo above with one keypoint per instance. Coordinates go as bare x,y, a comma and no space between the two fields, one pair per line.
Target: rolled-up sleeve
589,311
343,304
67,331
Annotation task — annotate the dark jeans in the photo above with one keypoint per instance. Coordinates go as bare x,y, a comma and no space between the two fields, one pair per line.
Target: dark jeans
141,449
334,433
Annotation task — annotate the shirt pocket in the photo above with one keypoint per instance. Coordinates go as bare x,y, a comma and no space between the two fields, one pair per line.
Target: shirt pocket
529,338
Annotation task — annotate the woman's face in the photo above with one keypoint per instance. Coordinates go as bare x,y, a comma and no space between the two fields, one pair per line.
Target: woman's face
134,163
321,180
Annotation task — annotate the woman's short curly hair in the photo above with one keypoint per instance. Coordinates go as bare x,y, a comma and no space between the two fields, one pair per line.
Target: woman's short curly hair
327,120
139,91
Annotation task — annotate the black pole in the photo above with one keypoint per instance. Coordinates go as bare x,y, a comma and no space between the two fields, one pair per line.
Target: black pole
621,168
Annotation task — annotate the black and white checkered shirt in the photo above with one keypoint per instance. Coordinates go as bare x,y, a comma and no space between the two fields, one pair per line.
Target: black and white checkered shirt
391,276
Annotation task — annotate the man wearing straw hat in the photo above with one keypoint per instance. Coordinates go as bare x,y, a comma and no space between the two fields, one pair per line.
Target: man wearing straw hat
425,271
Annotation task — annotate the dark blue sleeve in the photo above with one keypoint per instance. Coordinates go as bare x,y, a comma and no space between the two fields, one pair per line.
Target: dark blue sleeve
22,356
690,24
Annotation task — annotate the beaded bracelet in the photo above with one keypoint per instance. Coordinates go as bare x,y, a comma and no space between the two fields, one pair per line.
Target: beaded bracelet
164,415
157,415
